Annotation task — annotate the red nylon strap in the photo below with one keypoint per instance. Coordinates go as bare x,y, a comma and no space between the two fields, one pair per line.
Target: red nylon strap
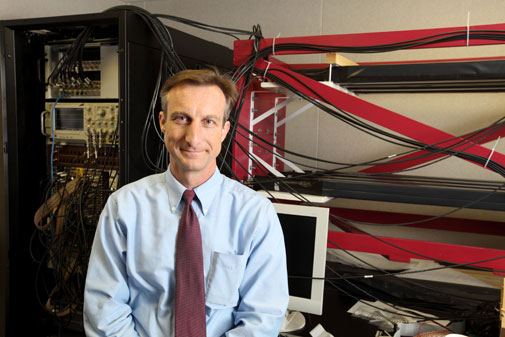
406,161
242,49
190,318
484,257
376,114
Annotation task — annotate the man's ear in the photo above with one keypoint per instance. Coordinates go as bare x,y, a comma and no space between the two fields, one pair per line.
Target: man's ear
161,118
224,131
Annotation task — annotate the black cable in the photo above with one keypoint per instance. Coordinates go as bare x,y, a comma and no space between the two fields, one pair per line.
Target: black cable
349,223
343,116
234,116
400,273
149,121
414,315
160,32
399,45
433,148
467,138
216,29
394,46
470,265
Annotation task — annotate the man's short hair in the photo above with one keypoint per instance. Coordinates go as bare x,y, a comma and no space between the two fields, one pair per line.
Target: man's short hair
202,77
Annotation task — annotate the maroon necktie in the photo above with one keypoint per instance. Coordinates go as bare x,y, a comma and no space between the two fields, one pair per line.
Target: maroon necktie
189,286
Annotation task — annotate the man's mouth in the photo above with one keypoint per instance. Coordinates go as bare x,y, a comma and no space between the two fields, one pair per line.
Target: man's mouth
191,151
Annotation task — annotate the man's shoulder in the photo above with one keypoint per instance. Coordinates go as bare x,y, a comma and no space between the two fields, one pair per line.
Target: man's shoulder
240,190
140,186
236,186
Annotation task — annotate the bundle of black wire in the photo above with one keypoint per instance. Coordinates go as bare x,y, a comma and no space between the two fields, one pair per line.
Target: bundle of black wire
69,71
170,59
374,131
62,249
246,73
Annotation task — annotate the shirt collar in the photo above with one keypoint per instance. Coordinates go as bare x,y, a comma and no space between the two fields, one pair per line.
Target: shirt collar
205,193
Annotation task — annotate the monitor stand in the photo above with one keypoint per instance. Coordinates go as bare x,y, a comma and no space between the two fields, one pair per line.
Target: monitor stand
293,321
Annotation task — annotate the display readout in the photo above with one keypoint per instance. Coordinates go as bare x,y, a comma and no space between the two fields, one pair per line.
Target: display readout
69,118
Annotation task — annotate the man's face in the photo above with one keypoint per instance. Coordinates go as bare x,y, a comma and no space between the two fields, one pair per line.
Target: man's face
194,130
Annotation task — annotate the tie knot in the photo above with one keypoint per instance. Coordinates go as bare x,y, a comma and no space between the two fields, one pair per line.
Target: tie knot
188,196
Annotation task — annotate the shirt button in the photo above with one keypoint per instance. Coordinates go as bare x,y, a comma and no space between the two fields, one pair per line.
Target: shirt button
172,209
205,210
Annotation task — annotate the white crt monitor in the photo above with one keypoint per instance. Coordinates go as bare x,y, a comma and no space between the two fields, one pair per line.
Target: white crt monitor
305,231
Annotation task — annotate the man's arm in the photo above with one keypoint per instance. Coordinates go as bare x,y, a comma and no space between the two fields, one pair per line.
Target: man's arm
264,289
106,312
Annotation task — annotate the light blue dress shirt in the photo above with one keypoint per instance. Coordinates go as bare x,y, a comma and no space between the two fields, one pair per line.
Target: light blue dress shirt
130,282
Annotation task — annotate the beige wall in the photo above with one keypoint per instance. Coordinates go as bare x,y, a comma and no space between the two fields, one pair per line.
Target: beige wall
20,9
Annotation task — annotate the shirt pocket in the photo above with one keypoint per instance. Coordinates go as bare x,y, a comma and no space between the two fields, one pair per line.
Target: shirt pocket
225,275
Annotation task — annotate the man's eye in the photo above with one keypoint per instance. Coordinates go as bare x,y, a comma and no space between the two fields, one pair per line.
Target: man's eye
209,122
180,118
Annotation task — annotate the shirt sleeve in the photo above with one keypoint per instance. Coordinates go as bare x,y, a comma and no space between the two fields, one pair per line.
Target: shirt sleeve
106,310
264,288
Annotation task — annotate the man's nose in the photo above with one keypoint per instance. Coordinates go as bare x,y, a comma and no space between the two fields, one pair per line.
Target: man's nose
193,133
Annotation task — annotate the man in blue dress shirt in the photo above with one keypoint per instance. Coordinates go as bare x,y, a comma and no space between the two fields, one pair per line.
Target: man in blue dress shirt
130,282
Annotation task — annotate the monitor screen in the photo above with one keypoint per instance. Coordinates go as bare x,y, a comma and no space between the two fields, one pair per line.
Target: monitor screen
69,118
305,231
